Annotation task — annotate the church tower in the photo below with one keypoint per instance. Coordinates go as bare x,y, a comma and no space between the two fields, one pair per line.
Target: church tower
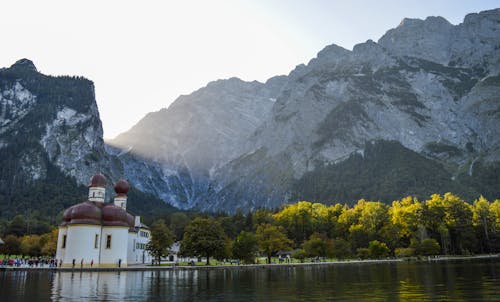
121,189
97,188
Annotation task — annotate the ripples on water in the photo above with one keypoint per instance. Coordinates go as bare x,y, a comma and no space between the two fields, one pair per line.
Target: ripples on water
441,281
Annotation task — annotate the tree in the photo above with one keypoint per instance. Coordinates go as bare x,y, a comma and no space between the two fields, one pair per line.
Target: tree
317,246
483,221
429,246
245,247
17,226
11,246
30,245
299,254
406,216
271,239
161,241
341,248
302,218
203,237
178,222
261,216
49,243
378,249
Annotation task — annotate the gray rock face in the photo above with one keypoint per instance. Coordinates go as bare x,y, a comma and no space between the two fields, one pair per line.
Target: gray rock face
181,147
426,84
48,121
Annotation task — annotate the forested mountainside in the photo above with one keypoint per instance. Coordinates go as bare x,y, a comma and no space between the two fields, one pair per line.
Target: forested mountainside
51,143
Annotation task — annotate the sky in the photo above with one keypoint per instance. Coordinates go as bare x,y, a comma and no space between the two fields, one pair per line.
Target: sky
141,55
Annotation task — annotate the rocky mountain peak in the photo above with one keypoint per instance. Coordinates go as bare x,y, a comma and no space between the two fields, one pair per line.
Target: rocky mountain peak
427,39
25,65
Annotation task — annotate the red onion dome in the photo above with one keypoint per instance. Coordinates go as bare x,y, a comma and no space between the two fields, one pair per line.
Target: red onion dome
83,213
66,217
98,180
122,187
114,216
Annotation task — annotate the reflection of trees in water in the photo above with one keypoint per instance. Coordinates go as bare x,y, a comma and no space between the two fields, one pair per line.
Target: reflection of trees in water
433,281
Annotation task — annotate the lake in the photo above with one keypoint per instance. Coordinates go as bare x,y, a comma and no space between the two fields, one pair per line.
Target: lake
471,280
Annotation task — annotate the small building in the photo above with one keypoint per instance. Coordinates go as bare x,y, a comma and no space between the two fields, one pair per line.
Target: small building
102,234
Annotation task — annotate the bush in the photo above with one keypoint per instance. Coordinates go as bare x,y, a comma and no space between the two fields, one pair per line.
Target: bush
404,252
428,247
363,253
341,248
299,254
378,249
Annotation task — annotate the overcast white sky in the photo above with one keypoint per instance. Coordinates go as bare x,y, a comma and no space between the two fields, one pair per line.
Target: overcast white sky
142,55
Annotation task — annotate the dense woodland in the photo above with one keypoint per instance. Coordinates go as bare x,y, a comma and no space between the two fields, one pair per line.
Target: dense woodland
442,224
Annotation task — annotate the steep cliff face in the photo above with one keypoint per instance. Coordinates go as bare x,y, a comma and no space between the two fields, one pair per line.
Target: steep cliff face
181,147
50,134
50,142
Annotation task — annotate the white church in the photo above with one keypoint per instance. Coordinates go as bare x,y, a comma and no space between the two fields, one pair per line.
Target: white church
102,234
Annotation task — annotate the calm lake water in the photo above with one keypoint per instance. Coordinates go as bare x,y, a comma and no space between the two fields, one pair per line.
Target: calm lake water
436,281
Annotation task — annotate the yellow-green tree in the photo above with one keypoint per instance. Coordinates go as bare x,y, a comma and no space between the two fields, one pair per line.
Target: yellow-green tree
48,243
301,219
271,239
30,245
406,215
483,221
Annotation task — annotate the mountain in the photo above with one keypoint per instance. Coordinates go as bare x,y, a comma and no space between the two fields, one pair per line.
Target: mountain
50,142
179,148
415,113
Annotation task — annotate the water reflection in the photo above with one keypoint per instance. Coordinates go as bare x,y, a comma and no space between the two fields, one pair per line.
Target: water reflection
350,282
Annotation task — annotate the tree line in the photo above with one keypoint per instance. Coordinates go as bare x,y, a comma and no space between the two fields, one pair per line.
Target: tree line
443,224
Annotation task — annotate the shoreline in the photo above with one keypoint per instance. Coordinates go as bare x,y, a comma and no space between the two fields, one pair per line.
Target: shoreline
247,266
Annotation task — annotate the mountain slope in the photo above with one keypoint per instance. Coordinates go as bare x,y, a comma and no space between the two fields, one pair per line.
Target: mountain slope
426,93
437,100
50,141
180,147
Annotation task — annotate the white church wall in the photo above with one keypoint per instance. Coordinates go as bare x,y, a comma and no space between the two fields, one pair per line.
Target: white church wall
80,244
60,251
118,249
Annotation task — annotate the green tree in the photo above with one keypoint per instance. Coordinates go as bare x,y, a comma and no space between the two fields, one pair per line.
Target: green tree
429,246
261,216
203,237
161,240
378,249
11,246
300,254
245,247
178,222
341,248
271,239
317,246
17,226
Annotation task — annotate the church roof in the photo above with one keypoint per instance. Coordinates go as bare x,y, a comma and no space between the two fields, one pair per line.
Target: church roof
97,213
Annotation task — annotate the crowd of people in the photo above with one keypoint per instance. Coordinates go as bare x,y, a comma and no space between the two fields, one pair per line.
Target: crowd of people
30,262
